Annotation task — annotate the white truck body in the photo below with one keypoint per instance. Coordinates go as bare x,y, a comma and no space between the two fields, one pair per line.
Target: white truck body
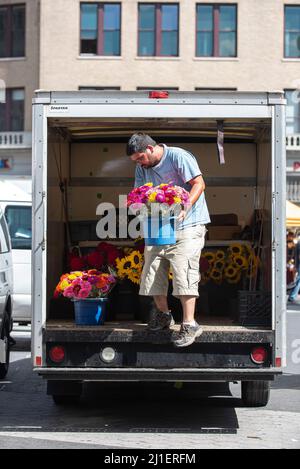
15,200
80,138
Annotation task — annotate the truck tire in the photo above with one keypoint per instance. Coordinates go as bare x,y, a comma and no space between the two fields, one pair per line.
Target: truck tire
4,366
65,400
255,393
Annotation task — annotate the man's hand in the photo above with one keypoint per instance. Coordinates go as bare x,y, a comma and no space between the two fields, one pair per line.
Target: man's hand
182,215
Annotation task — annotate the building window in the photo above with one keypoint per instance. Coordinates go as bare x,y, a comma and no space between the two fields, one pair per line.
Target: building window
292,112
12,111
199,88
216,30
292,31
12,31
101,88
100,31
158,29
158,88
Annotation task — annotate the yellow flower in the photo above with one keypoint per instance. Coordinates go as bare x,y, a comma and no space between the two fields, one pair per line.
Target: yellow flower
163,185
210,256
230,271
216,275
240,262
177,200
219,264
152,197
220,255
123,266
136,259
134,276
235,279
150,184
64,284
235,248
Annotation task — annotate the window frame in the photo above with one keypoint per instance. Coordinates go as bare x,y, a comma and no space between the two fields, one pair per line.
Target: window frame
22,207
4,230
216,30
158,29
8,110
284,31
100,29
8,44
297,114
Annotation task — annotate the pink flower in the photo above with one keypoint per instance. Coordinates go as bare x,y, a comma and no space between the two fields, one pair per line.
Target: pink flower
68,292
84,292
160,198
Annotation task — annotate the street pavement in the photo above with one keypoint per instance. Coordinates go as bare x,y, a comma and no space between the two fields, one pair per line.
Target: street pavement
143,415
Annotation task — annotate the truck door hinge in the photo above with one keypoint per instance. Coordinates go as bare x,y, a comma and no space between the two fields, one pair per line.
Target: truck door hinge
42,245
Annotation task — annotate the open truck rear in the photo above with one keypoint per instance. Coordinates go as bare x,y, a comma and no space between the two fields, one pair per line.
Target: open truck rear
79,141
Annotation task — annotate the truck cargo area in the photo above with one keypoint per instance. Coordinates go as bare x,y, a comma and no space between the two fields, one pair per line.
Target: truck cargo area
87,164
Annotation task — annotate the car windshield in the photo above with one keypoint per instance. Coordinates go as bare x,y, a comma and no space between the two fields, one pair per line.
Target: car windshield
19,224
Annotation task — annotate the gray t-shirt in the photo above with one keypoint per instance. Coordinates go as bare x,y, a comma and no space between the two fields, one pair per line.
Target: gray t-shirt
177,166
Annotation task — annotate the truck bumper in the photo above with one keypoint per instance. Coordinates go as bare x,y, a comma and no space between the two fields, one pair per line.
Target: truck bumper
147,374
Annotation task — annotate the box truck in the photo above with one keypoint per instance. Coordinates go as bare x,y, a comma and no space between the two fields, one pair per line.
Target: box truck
79,161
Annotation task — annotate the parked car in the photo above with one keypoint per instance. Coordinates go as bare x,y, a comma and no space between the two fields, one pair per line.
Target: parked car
6,288
16,205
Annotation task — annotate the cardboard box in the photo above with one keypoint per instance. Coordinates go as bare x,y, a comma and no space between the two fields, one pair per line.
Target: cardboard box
223,232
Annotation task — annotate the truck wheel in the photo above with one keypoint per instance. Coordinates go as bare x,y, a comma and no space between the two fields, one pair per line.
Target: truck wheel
255,393
60,399
4,366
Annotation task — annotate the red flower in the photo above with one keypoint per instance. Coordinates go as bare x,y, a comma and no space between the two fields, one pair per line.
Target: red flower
112,255
95,260
76,263
204,264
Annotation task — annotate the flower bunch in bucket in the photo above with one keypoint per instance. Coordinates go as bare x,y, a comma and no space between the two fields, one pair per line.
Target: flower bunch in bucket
82,285
164,196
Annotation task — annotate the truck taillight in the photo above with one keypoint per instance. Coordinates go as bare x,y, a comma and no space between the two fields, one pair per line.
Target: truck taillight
158,94
259,355
57,354
278,362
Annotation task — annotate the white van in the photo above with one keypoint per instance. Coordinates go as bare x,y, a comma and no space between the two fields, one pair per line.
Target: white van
15,201
6,286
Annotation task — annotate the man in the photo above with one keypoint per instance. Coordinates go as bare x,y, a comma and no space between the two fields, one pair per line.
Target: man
292,298
159,164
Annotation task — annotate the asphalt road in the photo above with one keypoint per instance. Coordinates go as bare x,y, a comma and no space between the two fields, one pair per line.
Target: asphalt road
139,415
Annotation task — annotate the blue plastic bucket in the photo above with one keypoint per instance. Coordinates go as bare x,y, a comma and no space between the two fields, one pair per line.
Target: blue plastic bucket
159,231
90,311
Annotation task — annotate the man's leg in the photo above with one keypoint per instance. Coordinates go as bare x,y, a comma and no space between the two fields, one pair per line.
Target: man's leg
294,293
161,303
188,306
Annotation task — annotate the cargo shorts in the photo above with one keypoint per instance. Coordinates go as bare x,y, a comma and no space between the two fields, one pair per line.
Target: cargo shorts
182,259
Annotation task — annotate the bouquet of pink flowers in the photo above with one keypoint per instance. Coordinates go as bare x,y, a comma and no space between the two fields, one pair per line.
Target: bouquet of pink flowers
80,285
166,195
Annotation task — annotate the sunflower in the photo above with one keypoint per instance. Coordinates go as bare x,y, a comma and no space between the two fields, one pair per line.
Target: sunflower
136,259
230,271
210,256
216,275
235,279
236,248
123,266
240,262
134,276
220,255
219,264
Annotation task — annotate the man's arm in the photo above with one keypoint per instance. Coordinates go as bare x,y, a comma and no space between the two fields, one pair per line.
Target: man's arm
198,186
